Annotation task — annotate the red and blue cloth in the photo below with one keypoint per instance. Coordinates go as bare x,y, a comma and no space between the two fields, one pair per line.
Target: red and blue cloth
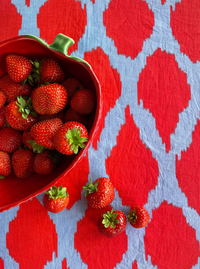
146,56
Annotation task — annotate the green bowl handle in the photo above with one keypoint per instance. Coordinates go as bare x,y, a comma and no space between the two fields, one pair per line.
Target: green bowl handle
61,43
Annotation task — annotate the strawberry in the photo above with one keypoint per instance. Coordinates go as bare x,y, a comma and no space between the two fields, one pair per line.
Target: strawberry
49,99
5,165
83,101
30,143
22,163
2,116
138,216
72,85
48,70
13,89
59,115
101,193
10,140
2,98
43,164
112,223
70,137
71,115
18,67
20,114
56,199
43,132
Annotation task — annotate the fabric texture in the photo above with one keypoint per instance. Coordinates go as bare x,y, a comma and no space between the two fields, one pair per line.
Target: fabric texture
145,54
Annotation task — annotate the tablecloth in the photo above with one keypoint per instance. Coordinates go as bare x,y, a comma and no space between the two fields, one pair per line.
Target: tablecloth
146,55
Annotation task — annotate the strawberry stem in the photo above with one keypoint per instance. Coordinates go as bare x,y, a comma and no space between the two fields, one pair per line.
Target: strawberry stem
36,72
55,193
36,148
25,107
110,219
90,187
75,139
132,217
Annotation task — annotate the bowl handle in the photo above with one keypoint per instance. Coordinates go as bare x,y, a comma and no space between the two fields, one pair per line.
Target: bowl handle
61,43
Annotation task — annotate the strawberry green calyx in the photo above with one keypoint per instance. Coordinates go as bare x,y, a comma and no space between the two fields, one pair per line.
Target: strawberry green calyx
36,73
29,79
36,147
75,139
132,217
110,219
25,107
90,188
55,193
1,177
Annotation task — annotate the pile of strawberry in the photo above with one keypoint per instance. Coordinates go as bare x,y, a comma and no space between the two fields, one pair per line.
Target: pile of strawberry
43,116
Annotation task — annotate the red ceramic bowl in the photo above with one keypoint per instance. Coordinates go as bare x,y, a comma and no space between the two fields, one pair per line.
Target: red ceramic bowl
13,190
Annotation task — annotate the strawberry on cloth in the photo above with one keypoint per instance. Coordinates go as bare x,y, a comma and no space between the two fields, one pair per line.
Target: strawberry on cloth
5,164
112,223
43,131
56,199
100,193
13,89
20,114
10,140
49,99
18,67
22,163
70,137
138,216
83,101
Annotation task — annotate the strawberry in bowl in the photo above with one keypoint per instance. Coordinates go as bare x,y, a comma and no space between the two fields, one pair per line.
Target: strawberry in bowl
41,79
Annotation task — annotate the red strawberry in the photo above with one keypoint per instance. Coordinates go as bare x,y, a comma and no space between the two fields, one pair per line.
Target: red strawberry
20,114
72,85
30,143
70,137
138,216
2,116
56,199
49,99
48,70
22,162
59,115
18,67
5,164
112,223
13,89
43,132
101,193
10,140
71,115
43,164
2,99
83,101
